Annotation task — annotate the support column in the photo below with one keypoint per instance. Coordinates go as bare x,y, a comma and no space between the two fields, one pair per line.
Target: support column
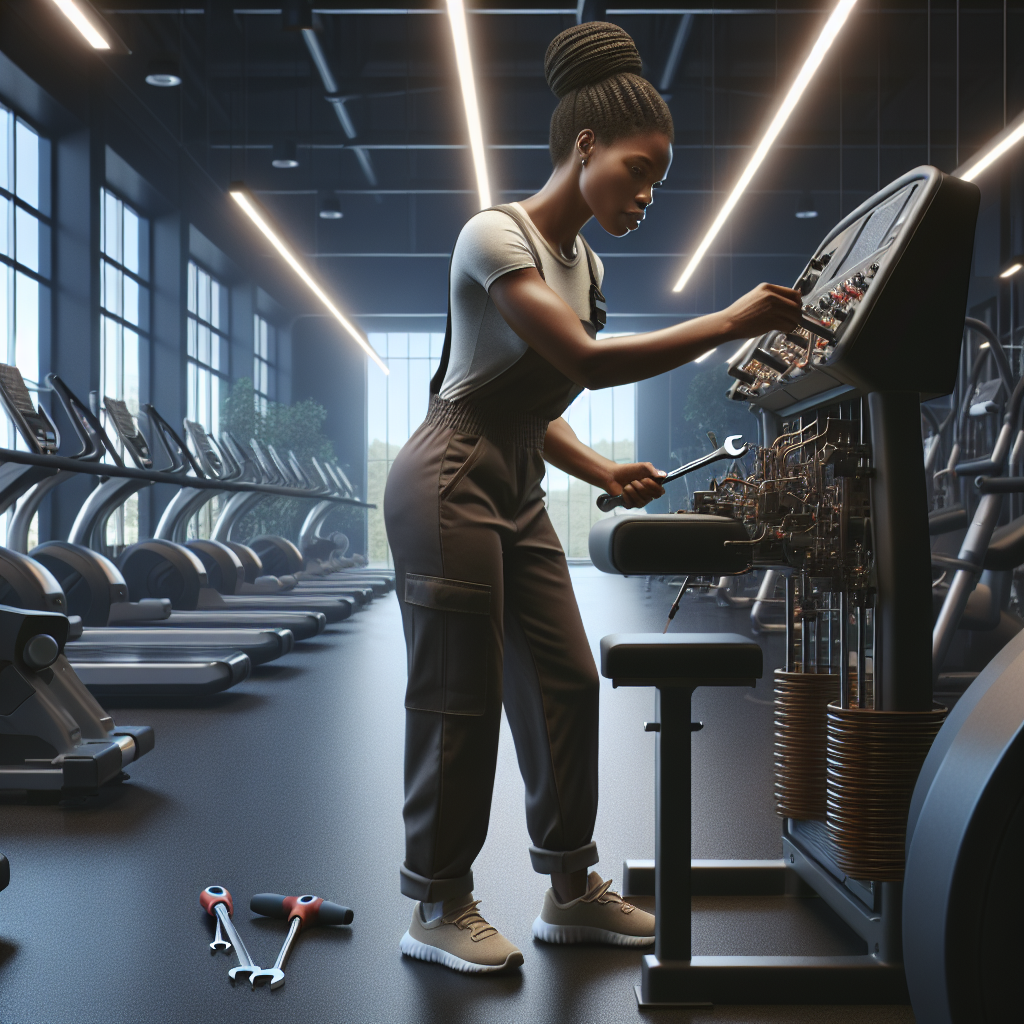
672,839
903,628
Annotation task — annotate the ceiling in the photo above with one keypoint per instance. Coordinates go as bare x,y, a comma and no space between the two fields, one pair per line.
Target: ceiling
906,83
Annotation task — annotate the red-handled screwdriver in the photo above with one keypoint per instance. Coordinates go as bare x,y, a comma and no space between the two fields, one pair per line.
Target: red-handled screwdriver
301,912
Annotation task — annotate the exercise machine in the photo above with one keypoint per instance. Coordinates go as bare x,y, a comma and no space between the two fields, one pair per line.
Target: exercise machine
836,502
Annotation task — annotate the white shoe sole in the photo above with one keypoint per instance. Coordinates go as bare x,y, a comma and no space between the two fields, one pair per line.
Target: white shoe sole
432,954
568,934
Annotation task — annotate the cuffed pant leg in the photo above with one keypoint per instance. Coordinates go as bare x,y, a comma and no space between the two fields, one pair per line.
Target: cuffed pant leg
551,696
434,890
550,862
449,757
449,776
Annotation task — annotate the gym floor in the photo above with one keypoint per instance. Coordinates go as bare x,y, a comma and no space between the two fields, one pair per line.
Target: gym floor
292,783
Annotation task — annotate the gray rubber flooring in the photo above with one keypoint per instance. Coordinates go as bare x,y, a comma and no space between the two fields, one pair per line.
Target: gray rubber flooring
292,783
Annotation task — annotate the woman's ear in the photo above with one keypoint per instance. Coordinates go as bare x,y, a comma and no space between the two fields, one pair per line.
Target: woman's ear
585,142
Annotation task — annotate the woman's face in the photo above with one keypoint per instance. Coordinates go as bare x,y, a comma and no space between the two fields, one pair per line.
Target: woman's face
618,180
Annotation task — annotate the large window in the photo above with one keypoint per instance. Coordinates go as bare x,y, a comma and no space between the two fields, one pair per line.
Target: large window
207,346
124,324
262,362
207,367
24,255
397,404
606,421
24,243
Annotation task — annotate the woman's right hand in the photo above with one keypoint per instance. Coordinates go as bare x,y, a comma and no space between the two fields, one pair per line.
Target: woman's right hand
768,307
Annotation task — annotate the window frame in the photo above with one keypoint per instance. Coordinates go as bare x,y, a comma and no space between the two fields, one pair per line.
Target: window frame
263,398
222,334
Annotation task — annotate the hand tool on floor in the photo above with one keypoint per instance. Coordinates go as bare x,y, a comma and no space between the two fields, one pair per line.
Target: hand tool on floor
219,942
217,902
301,912
729,450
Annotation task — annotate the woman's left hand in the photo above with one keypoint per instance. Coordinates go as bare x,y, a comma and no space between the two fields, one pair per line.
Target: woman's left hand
637,482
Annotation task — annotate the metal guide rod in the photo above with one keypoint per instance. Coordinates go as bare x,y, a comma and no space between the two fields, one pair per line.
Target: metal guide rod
158,477
805,627
862,659
844,646
790,622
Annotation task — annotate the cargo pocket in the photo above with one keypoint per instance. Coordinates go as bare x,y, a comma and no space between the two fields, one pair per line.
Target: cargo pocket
450,645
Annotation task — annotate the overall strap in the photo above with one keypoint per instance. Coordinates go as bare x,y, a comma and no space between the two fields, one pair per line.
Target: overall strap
446,352
598,303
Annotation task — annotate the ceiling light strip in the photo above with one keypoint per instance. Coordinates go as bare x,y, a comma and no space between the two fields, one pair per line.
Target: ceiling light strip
464,62
828,35
241,197
992,150
75,15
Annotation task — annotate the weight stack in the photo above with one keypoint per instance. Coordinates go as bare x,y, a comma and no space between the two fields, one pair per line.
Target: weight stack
801,708
874,758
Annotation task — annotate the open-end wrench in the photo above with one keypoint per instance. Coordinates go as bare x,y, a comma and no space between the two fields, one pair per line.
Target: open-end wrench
300,912
216,901
730,450
219,942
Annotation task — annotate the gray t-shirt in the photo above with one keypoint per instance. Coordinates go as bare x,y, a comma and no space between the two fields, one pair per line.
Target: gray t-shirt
492,244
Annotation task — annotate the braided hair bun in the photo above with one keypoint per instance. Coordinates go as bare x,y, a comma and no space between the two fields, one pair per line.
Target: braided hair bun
594,70
587,54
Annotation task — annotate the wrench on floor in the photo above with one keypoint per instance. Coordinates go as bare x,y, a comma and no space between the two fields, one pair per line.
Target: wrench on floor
219,942
729,450
300,912
216,901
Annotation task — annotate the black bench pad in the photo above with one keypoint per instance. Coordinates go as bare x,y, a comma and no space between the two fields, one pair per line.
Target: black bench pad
707,658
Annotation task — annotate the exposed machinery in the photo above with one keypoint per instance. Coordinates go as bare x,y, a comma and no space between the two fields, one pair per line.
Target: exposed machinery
836,501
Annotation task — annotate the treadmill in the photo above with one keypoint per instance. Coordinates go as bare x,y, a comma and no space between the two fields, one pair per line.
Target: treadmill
107,665
220,464
165,564
159,568
278,554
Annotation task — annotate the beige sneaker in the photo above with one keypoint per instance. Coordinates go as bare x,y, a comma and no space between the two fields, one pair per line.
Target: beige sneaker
599,915
460,939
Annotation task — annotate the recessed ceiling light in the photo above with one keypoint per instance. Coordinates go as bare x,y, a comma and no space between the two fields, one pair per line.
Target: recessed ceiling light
285,156
805,208
163,74
330,209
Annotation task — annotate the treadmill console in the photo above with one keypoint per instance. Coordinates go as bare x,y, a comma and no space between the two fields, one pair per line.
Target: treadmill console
884,297
35,427
128,432
209,458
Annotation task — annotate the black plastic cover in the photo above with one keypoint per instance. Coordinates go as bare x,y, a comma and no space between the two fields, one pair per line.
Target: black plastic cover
667,544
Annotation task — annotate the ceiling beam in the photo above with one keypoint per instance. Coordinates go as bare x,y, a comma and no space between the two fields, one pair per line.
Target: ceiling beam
675,55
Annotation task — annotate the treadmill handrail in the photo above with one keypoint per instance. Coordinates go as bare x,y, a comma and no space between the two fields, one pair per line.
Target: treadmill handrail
157,476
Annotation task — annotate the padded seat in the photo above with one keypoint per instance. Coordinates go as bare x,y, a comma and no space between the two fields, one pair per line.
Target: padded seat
689,659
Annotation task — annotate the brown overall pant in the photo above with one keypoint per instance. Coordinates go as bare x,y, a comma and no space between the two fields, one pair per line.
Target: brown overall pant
490,618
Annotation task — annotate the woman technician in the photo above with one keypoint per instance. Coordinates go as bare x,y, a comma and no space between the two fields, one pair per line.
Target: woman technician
487,604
